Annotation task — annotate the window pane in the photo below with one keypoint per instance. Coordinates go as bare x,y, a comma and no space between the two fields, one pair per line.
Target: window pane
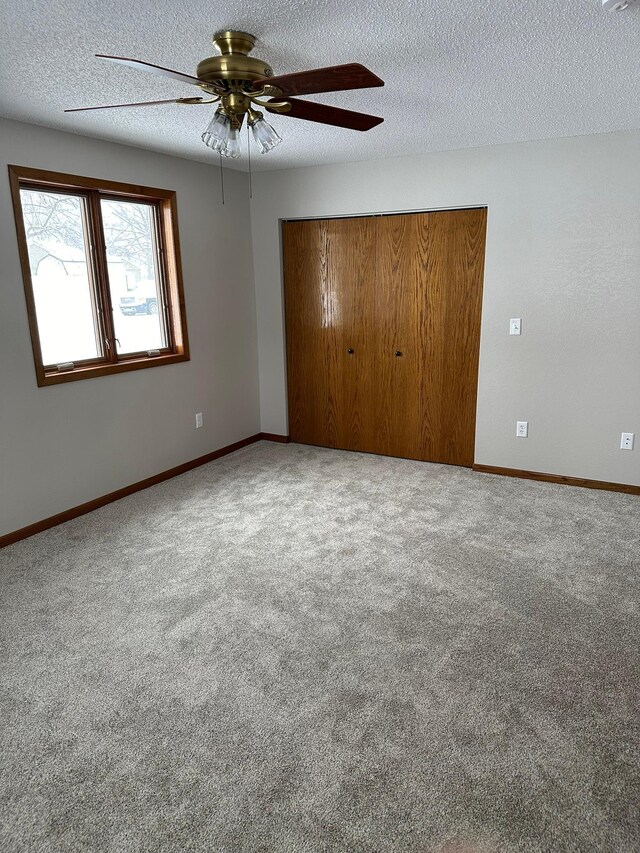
139,315
55,225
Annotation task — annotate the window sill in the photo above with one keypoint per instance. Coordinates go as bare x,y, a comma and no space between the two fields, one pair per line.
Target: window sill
55,377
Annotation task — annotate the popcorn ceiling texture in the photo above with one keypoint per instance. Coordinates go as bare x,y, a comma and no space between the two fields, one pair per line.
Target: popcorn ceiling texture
457,75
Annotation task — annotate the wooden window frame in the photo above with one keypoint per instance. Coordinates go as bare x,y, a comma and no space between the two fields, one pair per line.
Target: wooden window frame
168,255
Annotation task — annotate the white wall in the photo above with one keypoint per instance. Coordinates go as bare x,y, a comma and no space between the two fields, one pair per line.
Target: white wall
563,253
65,444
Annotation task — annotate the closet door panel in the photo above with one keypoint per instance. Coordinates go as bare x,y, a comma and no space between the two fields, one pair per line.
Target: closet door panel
351,261
401,300
307,303
452,334
403,293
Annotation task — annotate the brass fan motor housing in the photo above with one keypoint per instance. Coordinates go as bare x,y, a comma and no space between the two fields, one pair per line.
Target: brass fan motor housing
233,64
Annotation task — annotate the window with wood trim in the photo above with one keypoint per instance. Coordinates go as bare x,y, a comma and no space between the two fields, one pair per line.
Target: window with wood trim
102,278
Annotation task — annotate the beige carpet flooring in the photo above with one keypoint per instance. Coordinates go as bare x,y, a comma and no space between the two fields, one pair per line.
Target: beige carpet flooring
297,649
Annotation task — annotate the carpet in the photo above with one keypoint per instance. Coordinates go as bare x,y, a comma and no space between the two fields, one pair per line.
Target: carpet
299,649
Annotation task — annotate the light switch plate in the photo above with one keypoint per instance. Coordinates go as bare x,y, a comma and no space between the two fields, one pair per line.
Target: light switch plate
515,326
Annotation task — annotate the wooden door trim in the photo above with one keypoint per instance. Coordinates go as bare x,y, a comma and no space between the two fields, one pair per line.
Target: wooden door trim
323,218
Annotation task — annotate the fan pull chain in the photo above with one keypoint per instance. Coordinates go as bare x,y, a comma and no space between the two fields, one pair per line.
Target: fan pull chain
221,178
249,153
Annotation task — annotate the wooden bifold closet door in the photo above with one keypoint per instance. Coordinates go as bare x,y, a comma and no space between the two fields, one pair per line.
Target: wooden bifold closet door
383,331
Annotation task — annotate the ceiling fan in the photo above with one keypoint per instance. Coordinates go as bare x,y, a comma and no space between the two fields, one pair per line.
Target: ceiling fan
239,82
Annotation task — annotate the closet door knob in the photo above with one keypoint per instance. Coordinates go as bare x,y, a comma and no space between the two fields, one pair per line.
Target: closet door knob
398,353
350,351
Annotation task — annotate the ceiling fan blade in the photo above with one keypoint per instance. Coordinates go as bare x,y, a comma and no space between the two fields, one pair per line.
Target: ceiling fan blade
158,70
335,116
139,104
335,78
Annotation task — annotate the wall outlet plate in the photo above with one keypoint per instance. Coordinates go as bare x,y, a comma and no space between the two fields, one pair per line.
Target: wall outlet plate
515,326
522,429
627,440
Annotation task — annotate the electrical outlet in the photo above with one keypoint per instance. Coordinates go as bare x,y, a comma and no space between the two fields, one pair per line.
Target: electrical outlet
198,420
515,326
627,440
522,429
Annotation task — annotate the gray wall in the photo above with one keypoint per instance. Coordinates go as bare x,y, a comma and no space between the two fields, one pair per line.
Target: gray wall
66,444
563,253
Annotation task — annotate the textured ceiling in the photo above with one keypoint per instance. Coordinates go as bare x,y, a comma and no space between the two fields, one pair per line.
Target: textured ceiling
458,74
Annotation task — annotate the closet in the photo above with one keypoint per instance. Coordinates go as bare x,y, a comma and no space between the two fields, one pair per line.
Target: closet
382,321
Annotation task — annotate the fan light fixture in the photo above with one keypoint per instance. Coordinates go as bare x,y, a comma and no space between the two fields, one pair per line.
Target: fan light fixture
222,134
238,82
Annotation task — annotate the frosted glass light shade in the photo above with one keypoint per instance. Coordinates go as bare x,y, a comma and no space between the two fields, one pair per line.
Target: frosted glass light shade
232,146
217,133
265,135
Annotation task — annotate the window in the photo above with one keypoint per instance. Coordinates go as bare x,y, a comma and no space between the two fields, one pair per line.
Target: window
101,269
